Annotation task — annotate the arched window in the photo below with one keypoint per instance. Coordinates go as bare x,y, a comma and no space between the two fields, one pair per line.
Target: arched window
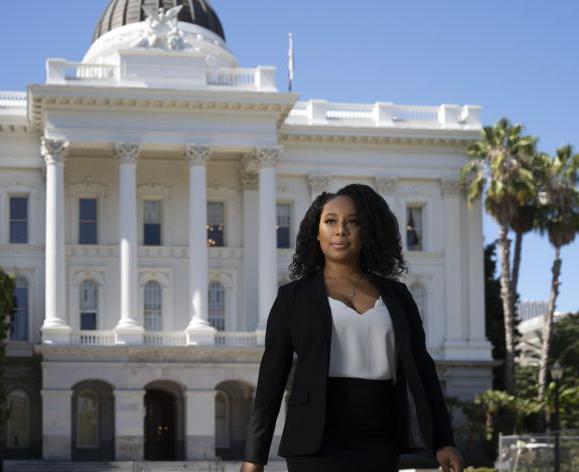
88,305
18,422
19,326
153,306
217,305
87,430
221,420
419,294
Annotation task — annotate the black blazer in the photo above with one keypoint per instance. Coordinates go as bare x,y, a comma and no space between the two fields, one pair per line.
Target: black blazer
300,320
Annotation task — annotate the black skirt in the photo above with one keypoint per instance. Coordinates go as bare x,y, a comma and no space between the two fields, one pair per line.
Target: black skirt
359,430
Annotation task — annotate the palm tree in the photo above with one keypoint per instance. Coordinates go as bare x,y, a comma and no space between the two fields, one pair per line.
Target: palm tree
558,215
502,158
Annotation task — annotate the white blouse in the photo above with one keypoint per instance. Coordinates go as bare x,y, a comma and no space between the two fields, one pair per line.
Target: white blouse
362,345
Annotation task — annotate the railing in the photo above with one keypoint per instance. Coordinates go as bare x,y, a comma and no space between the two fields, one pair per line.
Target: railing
236,338
165,338
240,78
93,338
321,112
80,71
12,100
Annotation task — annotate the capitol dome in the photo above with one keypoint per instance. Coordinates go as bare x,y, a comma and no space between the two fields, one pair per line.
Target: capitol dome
123,12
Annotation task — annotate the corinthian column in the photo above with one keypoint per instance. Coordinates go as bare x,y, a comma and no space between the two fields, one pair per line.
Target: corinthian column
128,330
199,330
267,158
55,329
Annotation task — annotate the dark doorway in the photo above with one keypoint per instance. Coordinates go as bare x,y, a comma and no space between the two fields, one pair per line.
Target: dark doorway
160,427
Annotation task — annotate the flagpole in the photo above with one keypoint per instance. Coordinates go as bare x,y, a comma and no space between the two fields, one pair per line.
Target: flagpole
290,62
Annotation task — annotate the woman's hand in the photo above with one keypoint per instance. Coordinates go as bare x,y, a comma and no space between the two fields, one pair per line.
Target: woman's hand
251,467
450,459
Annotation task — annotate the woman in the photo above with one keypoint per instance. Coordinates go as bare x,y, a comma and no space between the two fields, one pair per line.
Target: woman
365,389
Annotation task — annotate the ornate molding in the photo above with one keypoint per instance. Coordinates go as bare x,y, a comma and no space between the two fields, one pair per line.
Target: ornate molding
318,183
197,154
248,179
54,150
451,187
153,188
416,190
87,186
268,156
127,152
385,185
17,181
162,30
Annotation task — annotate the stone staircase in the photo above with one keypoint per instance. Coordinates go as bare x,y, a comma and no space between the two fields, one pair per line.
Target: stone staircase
145,466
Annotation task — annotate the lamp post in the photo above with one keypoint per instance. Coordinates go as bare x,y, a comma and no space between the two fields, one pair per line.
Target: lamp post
556,374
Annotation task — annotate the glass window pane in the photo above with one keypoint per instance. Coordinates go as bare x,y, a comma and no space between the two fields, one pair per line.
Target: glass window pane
88,419
18,208
18,421
88,295
152,211
88,209
414,228
87,233
216,300
283,237
152,234
18,231
215,212
153,306
88,321
19,325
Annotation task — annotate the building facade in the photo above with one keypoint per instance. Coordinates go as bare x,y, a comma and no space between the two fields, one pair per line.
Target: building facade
150,197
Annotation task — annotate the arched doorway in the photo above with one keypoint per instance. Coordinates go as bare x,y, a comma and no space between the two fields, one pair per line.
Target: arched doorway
93,421
164,422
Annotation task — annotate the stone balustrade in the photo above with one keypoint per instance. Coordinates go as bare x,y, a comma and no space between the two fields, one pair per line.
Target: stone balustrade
163,338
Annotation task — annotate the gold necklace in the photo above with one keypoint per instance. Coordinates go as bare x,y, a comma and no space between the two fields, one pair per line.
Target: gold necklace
352,292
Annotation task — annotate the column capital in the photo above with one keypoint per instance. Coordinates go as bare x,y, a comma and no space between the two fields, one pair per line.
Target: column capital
451,187
385,184
197,154
127,152
318,183
249,179
53,150
267,156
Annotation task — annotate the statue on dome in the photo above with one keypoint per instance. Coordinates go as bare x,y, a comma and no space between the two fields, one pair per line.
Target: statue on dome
162,30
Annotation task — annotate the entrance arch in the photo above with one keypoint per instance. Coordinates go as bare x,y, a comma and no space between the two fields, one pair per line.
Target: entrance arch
164,421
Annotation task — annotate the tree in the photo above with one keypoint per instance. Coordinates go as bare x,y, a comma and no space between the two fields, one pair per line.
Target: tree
558,215
7,305
502,158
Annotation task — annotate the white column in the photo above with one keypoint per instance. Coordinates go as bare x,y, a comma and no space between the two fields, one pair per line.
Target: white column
199,330
479,346
318,183
454,343
129,424
267,158
128,329
200,424
249,181
55,329
56,424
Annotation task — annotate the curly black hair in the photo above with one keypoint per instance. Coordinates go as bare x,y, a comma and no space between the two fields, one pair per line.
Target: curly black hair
381,251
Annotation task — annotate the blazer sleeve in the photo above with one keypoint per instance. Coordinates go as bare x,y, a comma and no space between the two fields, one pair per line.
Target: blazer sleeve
274,369
442,427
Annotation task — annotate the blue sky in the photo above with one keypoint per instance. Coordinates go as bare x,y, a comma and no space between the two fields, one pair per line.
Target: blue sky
516,58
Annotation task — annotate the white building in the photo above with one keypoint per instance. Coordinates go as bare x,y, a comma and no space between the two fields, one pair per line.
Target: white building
149,201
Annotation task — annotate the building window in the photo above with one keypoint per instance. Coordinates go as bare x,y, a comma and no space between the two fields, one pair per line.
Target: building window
217,305
414,227
87,431
19,325
283,225
153,306
18,421
152,222
221,420
87,221
19,220
88,305
215,222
